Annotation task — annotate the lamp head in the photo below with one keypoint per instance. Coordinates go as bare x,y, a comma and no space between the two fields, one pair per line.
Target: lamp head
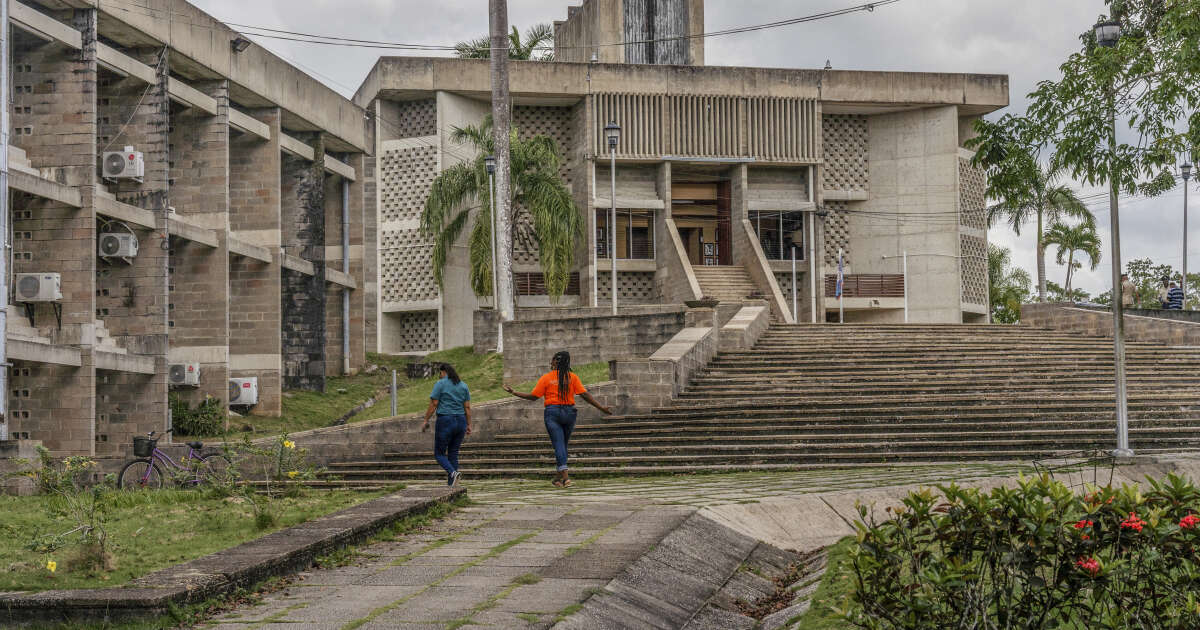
595,57
238,44
489,163
612,131
1185,170
1107,33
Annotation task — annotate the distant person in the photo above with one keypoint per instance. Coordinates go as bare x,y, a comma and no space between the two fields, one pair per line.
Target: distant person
1128,291
451,399
1175,298
559,386
1163,298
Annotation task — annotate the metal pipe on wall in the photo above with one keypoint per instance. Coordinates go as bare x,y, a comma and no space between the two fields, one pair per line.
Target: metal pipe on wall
345,270
5,68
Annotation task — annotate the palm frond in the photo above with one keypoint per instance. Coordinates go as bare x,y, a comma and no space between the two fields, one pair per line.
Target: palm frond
479,48
444,241
557,224
453,188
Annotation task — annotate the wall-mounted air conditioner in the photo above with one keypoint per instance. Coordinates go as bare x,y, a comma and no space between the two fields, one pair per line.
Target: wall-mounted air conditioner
184,374
243,392
38,287
127,164
118,245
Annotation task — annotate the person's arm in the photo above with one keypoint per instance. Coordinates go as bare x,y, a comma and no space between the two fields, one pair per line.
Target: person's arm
433,404
467,410
595,403
520,394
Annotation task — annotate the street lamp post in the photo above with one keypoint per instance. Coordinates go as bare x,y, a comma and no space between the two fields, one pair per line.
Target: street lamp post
1185,171
612,131
489,163
1107,35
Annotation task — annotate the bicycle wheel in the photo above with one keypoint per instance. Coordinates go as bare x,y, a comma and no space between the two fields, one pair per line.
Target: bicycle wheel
213,469
140,474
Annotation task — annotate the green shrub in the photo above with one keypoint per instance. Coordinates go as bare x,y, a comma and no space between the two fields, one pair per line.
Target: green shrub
207,418
1035,556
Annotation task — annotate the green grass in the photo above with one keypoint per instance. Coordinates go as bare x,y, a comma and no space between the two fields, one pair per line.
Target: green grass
833,594
146,531
303,410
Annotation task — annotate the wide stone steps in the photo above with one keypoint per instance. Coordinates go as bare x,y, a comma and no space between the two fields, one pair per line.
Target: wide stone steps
724,283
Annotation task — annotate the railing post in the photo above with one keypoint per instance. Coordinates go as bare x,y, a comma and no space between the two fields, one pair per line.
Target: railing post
905,272
393,393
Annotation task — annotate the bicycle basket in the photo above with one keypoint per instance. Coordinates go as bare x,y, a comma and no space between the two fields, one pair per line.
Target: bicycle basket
143,446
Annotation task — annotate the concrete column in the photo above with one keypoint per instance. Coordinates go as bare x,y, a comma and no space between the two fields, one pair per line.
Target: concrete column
304,296
254,286
54,122
199,317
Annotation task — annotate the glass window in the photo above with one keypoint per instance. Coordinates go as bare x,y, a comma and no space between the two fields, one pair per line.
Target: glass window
635,234
778,232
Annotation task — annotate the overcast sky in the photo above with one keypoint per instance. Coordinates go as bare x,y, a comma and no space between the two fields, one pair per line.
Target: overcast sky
1025,39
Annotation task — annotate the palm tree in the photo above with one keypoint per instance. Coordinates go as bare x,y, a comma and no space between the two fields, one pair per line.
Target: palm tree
1007,287
1080,238
1040,197
462,192
537,37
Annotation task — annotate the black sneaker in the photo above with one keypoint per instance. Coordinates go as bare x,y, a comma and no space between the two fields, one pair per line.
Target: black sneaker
453,479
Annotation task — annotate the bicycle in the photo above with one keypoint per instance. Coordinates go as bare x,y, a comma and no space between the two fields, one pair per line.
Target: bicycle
146,472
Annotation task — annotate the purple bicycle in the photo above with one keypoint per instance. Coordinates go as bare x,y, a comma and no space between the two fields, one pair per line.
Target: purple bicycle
146,472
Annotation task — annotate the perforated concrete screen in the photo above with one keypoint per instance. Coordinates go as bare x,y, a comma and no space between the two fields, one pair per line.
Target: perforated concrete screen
414,332
405,273
633,287
784,279
837,234
972,191
406,176
556,124
845,140
417,118
974,270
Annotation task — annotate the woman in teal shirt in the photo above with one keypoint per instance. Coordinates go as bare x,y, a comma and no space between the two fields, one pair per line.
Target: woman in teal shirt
451,399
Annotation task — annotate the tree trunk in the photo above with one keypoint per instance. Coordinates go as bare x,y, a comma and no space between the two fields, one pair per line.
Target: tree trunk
502,123
1041,260
1070,272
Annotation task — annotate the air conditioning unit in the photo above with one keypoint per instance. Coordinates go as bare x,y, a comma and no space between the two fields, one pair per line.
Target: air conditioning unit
184,374
243,392
118,245
127,164
38,287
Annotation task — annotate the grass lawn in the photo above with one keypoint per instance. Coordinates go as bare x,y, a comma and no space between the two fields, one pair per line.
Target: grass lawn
147,531
303,410
836,586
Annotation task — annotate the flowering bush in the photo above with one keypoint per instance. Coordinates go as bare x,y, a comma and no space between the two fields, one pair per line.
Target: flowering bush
1034,556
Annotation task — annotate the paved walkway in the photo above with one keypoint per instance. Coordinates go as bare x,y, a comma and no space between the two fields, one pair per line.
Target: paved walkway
525,554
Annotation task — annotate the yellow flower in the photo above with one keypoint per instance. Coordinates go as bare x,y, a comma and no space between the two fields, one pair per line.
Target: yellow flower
288,444
292,474
51,566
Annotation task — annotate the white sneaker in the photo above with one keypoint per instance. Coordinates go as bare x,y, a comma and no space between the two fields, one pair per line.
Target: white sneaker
454,478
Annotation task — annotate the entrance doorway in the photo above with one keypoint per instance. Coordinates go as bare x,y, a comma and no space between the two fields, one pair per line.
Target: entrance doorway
702,217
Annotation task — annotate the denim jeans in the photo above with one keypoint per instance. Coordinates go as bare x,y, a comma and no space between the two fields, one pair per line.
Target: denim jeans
560,422
447,438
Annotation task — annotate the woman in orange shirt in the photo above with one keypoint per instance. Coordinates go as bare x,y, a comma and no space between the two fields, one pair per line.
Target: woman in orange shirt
559,387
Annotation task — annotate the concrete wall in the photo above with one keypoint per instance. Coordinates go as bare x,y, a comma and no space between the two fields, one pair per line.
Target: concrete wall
595,23
1099,323
914,191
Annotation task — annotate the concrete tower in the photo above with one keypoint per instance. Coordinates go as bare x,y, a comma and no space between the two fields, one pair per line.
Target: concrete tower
632,31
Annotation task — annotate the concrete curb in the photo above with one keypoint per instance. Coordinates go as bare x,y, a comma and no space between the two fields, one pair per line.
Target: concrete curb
284,552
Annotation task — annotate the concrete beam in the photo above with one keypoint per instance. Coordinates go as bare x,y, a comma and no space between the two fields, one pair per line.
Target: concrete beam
177,226
845,195
247,124
248,250
116,362
298,264
110,207
297,148
44,188
123,64
337,277
43,26
187,95
638,204
23,350
338,167
780,205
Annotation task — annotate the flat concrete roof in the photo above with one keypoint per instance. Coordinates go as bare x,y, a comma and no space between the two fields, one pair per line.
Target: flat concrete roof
540,82
200,50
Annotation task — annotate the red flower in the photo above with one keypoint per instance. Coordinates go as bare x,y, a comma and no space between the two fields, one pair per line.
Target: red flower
1190,521
1088,565
1082,524
1085,537
1133,522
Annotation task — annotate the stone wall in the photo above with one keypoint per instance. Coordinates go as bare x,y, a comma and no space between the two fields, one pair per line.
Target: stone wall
1099,323
17,455
304,296
590,335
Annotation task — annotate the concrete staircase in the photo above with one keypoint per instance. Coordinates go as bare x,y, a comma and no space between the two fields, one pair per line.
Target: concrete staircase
816,396
724,283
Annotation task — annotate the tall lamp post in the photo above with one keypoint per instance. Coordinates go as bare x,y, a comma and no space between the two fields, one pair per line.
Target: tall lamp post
1107,35
1185,171
489,163
612,131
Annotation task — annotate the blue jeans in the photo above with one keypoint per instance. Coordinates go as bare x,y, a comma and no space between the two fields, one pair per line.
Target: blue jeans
560,422
447,437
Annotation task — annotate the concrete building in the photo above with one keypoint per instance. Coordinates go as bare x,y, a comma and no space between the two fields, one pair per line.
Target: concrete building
248,219
721,172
